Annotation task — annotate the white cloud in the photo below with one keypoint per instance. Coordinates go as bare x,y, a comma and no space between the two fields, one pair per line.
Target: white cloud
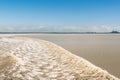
37,28
102,28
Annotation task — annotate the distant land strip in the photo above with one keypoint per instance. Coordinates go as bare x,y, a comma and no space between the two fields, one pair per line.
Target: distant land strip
113,32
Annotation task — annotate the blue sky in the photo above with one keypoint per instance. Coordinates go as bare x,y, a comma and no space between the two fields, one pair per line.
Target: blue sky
59,15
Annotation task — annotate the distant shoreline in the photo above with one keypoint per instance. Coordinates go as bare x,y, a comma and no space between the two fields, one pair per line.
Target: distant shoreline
58,33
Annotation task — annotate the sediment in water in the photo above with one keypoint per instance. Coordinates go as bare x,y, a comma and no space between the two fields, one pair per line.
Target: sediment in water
34,59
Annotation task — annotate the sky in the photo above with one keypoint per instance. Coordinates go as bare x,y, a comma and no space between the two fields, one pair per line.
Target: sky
59,15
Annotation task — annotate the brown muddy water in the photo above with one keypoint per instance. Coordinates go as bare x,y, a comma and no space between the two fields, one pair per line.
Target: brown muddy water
102,50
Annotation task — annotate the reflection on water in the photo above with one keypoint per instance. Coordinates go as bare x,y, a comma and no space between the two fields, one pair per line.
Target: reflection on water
101,49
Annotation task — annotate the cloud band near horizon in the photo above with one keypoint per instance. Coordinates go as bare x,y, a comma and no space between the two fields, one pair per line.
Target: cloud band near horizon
37,28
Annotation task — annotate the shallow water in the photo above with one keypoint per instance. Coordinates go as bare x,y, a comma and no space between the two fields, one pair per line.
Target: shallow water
102,50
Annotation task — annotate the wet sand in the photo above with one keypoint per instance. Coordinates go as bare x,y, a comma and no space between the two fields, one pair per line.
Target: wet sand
102,50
